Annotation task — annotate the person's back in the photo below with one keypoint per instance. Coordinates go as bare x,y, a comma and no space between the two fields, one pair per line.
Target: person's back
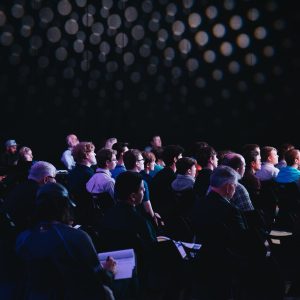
160,188
202,182
20,202
61,262
59,259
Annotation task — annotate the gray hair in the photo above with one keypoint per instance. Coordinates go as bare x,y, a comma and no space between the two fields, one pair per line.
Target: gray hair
223,175
41,169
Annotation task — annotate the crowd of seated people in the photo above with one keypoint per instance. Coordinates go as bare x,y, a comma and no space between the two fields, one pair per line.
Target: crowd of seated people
230,202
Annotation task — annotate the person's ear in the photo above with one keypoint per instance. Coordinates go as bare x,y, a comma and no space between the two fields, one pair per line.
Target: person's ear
45,179
132,198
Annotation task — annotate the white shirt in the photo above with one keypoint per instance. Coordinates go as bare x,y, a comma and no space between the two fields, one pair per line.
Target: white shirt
68,160
267,172
101,182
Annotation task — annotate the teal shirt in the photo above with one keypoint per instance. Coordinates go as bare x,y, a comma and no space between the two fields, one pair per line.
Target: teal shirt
288,174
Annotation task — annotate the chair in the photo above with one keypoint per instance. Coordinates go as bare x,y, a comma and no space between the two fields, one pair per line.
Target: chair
267,201
178,224
288,195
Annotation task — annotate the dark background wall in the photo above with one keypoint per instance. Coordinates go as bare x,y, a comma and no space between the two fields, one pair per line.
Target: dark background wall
222,71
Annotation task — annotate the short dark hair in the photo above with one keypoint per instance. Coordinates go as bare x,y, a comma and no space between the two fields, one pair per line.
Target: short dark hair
157,152
204,154
126,183
184,164
250,156
170,152
130,158
290,156
104,155
265,152
120,148
249,147
284,148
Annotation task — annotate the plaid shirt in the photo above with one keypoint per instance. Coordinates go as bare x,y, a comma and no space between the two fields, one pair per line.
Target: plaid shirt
241,198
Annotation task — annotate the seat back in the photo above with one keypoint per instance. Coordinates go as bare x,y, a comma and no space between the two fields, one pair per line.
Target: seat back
288,195
267,201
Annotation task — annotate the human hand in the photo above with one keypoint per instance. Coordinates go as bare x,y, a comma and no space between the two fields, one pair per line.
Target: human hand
110,265
157,219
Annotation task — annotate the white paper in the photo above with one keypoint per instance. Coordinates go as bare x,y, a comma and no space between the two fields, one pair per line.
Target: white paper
191,245
280,233
125,262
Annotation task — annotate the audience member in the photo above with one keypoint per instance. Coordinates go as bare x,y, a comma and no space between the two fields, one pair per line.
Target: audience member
134,162
282,150
61,262
110,142
228,253
84,156
250,147
101,181
241,198
207,159
291,172
67,157
149,165
159,163
186,172
249,180
10,156
19,204
269,159
155,143
120,148
161,184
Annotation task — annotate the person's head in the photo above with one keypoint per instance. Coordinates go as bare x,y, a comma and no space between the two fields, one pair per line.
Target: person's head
149,161
156,141
133,160
221,155
236,162
72,140
11,146
269,155
158,156
129,188
250,147
121,148
106,159
223,180
171,154
253,160
284,148
25,154
292,158
186,166
207,157
198,145
52,203
84,153
110,142
42,172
